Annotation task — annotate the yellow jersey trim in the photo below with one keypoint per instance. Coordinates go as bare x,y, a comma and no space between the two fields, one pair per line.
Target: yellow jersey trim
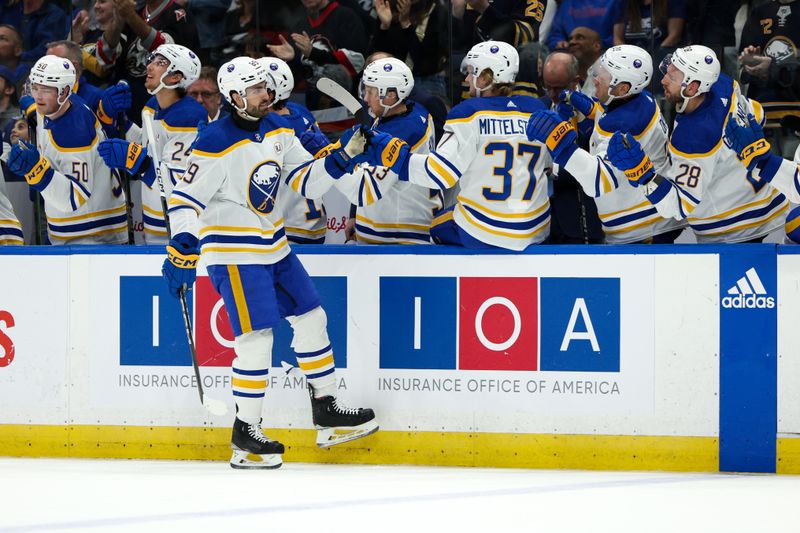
238,297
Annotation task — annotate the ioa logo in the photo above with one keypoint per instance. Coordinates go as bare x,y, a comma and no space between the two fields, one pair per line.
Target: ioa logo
748,293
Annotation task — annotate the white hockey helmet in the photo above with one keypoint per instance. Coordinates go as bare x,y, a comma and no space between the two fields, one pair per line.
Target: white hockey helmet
500,58
388,74
627,64
697,63
54,71
181,60
282,74
237,75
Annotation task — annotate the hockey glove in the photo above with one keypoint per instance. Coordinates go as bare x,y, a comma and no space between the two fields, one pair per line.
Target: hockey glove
747,141
351,152
115,100
565,112
390,152
315,142
585,105
24,160
625,153
28,105
180,266
122,154
558,135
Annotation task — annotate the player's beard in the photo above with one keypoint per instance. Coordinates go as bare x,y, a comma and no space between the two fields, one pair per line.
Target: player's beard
258,111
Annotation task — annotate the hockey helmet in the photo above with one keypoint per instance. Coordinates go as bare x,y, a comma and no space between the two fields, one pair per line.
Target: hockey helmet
57,72
500,58
282,74
181,60
625,64
238,74
388,74
697,63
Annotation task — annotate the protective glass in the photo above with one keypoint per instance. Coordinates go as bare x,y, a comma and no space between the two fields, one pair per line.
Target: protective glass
158,59
665,63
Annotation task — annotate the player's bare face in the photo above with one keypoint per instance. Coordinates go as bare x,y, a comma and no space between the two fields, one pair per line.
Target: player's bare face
46,99
373,100
672,83
156,68
473,79
600,80
258,99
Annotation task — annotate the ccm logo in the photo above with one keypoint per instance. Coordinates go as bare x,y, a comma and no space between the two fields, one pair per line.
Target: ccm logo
7,344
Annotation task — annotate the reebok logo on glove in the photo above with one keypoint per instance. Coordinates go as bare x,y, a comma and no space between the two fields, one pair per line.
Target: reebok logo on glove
557,134
390,153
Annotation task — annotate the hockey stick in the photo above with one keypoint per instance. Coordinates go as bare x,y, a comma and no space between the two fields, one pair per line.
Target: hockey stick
340,94
212,405
32,122
126,178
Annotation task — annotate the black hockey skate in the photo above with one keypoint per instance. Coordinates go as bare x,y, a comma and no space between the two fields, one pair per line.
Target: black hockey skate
337,424
252,449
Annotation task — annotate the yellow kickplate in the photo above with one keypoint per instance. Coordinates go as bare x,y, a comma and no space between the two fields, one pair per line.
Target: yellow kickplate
595,452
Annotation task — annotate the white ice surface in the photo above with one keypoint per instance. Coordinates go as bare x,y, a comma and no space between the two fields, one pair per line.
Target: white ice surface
174,496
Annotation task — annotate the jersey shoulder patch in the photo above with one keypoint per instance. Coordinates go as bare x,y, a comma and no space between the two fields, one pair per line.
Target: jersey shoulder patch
76,129
631,117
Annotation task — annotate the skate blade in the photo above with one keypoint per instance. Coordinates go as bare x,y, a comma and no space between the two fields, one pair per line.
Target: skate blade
250,461
328,437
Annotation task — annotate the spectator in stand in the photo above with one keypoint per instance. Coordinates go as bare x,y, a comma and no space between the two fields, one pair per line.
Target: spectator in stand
130,37
598,15
771,66
209,17
38,21
573,215
331,42
9,110
11,52
206,91
587,47
516,22
415,31
653,25
239,24
73,52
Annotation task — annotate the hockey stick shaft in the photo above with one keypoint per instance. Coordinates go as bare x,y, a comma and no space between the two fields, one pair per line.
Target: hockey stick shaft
214,406
37,196
126,182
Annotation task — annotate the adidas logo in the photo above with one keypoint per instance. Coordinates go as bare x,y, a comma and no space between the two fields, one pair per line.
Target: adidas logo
511,104
748,293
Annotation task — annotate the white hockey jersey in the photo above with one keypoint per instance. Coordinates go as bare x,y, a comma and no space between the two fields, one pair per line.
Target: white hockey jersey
83,201
484,148
305,219
227,195
10,228
707,183
786,178
175,129
404,213
626,214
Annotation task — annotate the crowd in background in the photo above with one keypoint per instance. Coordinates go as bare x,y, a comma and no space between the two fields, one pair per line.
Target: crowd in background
110,40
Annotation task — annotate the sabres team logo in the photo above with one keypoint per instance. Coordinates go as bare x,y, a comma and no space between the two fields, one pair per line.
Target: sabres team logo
263,187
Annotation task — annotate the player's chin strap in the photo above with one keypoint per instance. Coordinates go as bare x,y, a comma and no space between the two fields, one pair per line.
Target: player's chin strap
478,90
61,104
680,107
162,85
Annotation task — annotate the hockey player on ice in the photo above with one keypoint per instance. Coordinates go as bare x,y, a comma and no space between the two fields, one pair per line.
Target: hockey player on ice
503,199
304,219
225,206
706,183
83,201
619,77
170,70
